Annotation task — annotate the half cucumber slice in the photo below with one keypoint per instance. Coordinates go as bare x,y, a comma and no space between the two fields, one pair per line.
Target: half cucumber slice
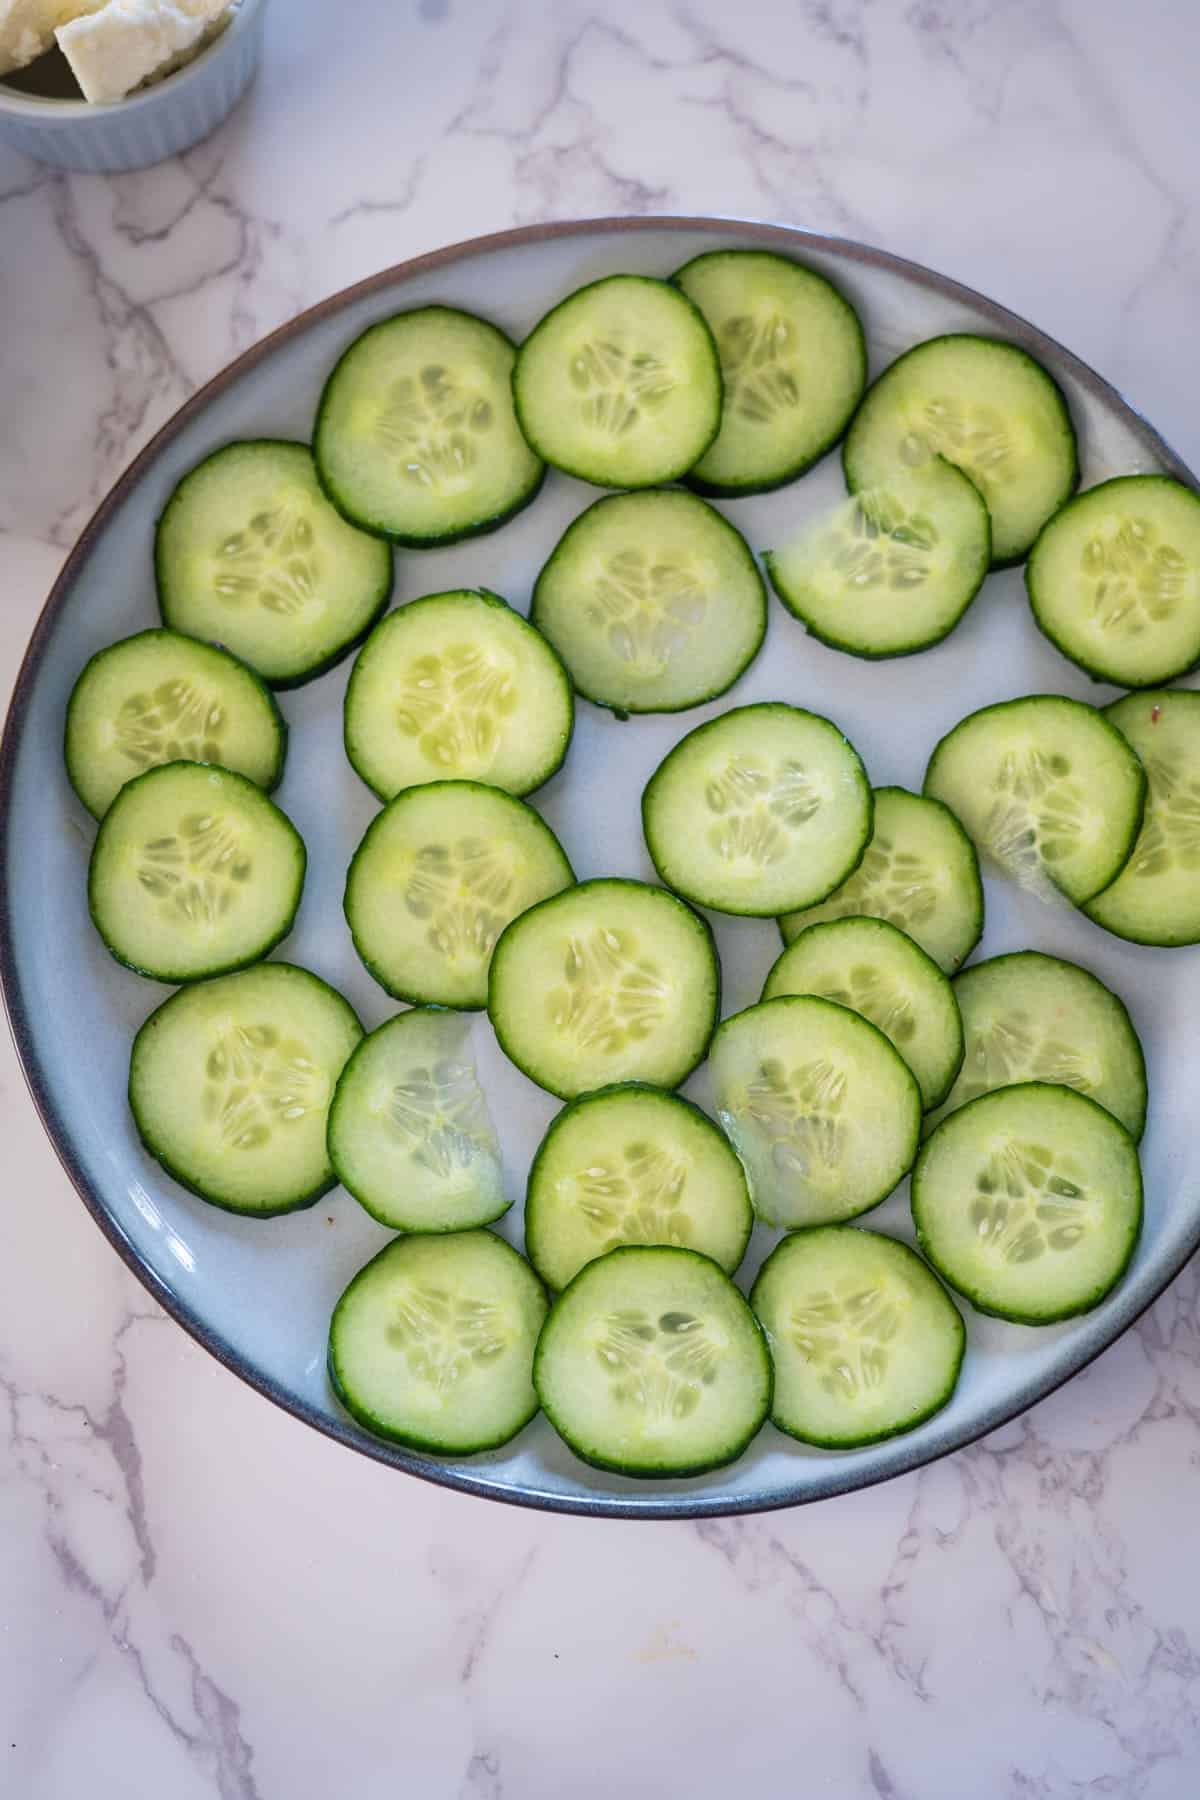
416,437
250,554
610,981
824,1113
763,809
865,1340
1049,790
1114,580
457,687
894,569
1029,1202
438,875
653,601
877,971
651,1363
159,697
409,1131
633,1165
194,872
620,384
432,1343
1156,897
230,1083
793,363
919,872
1032,1017
987,407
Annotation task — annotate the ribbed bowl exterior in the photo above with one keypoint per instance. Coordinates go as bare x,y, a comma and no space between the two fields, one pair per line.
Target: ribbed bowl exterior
154,124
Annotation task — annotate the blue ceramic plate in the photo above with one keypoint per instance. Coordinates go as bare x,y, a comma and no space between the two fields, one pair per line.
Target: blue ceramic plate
258,1294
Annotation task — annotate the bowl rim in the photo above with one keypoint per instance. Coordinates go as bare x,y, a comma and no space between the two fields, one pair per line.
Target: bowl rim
46,110
1097,1332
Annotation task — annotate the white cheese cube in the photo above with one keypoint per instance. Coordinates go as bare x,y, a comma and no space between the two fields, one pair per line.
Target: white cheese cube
27,27
116,49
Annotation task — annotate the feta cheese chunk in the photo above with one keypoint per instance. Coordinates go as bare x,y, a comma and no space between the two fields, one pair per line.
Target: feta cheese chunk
114,50
27,27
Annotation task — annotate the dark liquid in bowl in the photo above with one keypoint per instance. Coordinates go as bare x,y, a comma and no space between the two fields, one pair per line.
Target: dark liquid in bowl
48,78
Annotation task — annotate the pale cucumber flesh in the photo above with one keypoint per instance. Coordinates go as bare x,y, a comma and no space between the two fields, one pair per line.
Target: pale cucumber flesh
432,1343
865,1340
1029,1202
651,1363
410,1135
919,872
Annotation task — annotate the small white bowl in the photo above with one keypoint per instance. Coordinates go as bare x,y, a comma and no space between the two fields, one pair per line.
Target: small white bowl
152,124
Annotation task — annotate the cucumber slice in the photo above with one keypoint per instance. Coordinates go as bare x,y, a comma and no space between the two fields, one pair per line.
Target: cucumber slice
409,1131
620,384
793,364
416,437
985,406
1049,790
894,569
633,1165
250,554
653,601
824,1113
438,875
1031,1017
157,698
651,1363
1156,897
230,1083
1114,580
877,971
866,1342
432,1343
194,872
919,871
1029,1202
760,810
457,686
610,981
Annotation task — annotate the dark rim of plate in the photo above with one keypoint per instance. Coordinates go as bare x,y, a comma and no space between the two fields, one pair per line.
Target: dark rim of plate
1139,1290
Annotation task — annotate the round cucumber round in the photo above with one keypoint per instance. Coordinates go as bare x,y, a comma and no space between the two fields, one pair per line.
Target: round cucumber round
651,1363
159,697
620,384
432,1343
1031,1017
865,1340
893,569
416,438
1049,790
919,871
633,1165
653,601
793,365
230,1082
1029,1202
457,686
1156,897
194,872
612,980
761,810
1114,580
875,970
250,554
984,405
438,875
409,1131
824,1113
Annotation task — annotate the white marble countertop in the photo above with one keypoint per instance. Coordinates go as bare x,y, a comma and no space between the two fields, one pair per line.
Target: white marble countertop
200,1597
